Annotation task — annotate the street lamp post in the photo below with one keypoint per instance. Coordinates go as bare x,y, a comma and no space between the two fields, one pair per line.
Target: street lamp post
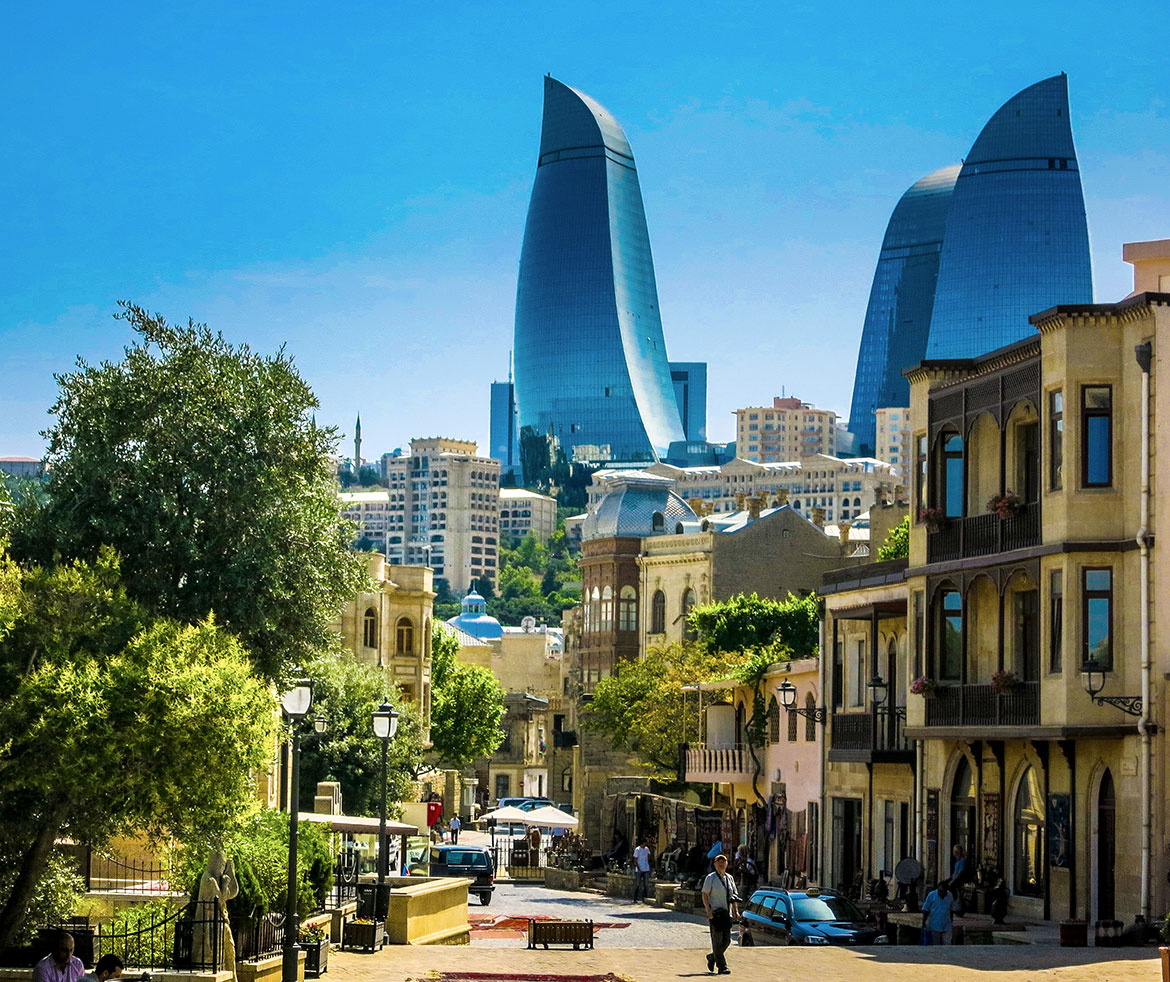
295,702
385,726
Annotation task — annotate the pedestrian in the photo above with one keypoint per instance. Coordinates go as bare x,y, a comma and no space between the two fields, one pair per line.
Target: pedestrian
745,871
455,826
108,967
721,902
715,850
60,965
641,870
938,913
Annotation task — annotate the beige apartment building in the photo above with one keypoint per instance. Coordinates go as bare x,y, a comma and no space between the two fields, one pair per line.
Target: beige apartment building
523,511
841,488
1033,596
894,441
787,430
443,511
390,628
368,510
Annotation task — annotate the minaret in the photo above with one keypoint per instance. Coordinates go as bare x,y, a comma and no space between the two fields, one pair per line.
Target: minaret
357,445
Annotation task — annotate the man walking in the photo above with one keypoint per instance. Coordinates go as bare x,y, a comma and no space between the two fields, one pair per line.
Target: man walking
938,913
721,902
641,871
455,826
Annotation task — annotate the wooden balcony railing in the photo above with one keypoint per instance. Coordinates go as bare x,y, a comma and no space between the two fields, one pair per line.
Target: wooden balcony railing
984,535
981,705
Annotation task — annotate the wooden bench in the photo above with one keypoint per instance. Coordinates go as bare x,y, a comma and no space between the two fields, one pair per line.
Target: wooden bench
577,933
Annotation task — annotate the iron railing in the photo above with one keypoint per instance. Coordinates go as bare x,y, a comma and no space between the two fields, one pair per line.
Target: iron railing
114,874
982,705
188,938
345,880
259,936
984,535
858,732
517,858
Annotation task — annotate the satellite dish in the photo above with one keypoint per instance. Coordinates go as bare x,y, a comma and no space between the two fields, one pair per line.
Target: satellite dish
908,870
528,623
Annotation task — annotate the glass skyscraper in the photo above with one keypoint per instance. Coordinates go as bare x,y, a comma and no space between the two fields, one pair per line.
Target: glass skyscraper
591,364
1016,241
901,300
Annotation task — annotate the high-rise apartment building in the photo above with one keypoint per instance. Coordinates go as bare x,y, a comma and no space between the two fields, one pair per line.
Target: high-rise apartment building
523,511
586,294
444,511
504,435
786,430
901,302
893,437
1016,239
690,393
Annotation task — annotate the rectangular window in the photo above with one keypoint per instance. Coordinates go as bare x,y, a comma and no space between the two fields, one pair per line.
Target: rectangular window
951,498
859,676
1055,619
838,680
1097,436
1097,616
918,632
950,636
503,782
1056,440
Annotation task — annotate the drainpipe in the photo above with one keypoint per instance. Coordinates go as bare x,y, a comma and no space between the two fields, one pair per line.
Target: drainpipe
1144,354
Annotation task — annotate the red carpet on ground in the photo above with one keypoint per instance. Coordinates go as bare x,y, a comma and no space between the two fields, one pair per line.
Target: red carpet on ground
500,923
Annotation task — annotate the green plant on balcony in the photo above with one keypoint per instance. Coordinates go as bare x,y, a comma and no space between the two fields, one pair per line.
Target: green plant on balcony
935,519
1004,505
1004,681
923,686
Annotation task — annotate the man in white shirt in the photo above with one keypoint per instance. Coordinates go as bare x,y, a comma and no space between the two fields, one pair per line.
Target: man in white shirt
455,827
641,871
721,901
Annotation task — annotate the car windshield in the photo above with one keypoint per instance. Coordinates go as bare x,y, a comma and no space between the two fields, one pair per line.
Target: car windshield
465,857
825,909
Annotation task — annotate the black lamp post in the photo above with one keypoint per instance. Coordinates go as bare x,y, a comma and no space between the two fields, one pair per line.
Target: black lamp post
295,702
385,726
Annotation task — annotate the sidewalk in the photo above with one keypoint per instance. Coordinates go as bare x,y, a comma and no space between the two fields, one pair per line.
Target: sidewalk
908,964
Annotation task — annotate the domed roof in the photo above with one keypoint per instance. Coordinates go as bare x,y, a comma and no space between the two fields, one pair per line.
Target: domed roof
475,619
637,505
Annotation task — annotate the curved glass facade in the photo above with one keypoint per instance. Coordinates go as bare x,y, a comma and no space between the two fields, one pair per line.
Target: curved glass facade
591,361
1016,241
901,300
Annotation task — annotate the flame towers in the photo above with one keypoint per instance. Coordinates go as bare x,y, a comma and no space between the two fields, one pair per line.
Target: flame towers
591,364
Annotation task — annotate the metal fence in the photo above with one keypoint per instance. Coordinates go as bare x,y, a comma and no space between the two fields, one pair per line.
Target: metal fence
113,874
258,936
189,938
345,879
518,859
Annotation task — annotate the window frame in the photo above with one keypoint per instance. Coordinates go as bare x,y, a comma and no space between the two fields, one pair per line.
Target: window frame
658,612
1088,414
941,617
1056,440
370,628
1055,621
1087,596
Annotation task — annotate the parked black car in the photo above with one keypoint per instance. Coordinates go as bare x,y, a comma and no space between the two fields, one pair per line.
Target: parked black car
808,917
473,862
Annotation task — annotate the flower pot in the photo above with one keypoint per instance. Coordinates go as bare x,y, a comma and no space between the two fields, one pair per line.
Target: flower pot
316,957
366,937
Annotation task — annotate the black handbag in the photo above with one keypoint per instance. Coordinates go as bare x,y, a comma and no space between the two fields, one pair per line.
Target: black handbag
720,918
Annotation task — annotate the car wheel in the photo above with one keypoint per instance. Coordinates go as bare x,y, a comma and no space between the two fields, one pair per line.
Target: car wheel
485,899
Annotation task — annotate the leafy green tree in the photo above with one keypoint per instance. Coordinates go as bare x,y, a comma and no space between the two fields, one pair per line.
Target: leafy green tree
346,692
466,705
113,720
897,544
517,581
751,623
643,708
199,462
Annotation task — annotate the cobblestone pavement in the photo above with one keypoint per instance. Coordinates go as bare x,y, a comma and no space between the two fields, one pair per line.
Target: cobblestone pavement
649,927
972,963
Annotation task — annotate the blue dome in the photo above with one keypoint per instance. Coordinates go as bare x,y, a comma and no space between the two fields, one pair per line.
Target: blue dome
475,619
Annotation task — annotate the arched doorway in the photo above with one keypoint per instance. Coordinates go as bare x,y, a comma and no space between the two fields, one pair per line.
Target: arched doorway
1028,836
963,811
1106,848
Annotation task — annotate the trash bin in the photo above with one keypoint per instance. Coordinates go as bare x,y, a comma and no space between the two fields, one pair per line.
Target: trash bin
1074,934
373,901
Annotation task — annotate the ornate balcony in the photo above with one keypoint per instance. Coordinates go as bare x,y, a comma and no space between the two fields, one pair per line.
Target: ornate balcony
700,763
859,737
984,535
981,705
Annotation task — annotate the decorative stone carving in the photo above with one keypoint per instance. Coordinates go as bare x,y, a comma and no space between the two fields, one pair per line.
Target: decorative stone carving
218,883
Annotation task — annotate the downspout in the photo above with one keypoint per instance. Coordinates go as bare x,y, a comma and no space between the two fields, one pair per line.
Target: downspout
826,696
1144,354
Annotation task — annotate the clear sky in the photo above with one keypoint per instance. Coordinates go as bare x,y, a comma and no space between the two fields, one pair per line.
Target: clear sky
352,179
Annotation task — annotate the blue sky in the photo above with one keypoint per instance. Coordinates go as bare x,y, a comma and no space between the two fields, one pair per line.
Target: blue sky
352,179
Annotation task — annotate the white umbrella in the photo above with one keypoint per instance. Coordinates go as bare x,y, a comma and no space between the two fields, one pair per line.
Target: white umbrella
508,814
550,817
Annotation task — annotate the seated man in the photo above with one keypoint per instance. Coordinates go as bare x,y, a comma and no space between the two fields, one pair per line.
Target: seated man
60,965
108,967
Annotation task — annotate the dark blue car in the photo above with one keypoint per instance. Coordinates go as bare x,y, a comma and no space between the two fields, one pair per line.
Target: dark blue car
807,917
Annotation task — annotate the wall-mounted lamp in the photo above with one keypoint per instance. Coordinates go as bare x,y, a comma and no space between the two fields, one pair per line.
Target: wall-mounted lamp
1093,679
788,700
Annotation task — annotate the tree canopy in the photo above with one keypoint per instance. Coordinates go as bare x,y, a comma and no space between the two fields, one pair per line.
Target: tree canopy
466,705
200,463
114,720
897,544
750,623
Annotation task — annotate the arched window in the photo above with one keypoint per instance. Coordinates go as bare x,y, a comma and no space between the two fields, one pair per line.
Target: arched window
628,609
963,809
856,502
658,522
810,723
593,611
678,529
688,602
370,628
404,636
773,720
658,613
793,718
607,609
1029,836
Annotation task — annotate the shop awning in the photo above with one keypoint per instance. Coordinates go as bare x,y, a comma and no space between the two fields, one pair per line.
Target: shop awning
356,823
